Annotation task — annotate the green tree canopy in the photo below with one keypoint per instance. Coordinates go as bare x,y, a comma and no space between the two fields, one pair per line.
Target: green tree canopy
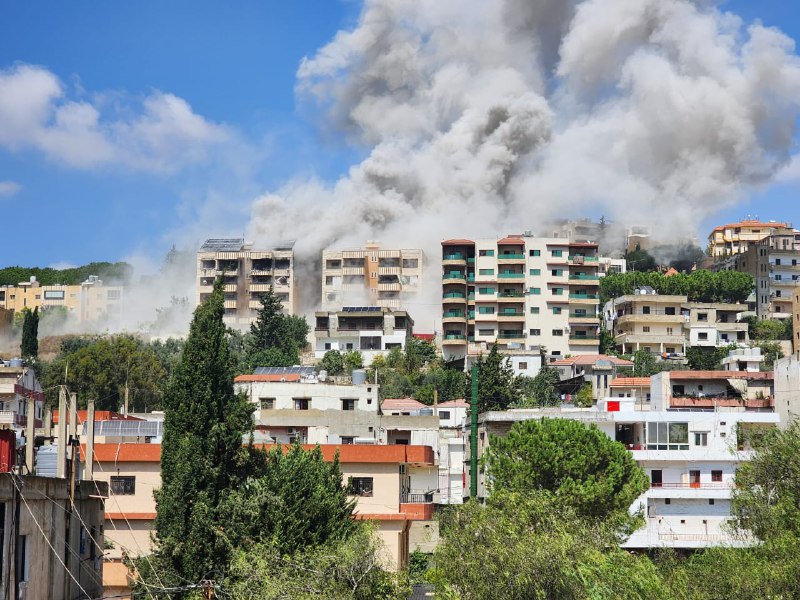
497,386
698,286
275,339
581,466
541,389
29,348
332,362
119,272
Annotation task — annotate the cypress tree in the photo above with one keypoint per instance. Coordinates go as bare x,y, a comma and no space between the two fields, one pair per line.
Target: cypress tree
202,456
29,348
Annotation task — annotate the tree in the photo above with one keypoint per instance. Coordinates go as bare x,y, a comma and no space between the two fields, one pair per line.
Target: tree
645,364
497,386
640,260
202,457
541,389
772,329
332,362
29,348
584,398
275,339
353,359
706,359
580,466
771,351
418,353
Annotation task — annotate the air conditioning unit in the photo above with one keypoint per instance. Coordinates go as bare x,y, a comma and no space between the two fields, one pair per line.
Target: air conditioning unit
291,430
365,441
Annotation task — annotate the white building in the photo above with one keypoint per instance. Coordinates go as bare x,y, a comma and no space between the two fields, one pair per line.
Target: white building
17,384
690,457
372,330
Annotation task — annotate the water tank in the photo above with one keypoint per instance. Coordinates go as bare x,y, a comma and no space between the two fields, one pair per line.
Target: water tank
322,375
47,461
359,377
8,450
15,362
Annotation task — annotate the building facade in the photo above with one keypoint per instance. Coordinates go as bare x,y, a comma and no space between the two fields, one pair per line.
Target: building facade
18,383
372,330
247,274
522,293
736,238
371,276
92,300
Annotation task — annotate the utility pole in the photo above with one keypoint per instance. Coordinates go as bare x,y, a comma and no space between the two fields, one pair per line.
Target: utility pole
473,436
72,468
30,434
62,432
125,409
88,471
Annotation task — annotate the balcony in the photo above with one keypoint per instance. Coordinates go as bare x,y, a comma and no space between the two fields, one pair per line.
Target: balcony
578,259
259,287
583,318
412,497
510,257
458,297
653,317
686,485
509,275
454,278
512,296
584,277
454,256
454,316
511,315
511,335
583,299
454,339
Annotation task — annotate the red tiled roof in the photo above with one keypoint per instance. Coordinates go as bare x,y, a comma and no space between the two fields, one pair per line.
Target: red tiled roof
749,223
457,242
124,452
590,359
454,404
401,404
512,239
292,377
99,415
630,382
684,375
670,272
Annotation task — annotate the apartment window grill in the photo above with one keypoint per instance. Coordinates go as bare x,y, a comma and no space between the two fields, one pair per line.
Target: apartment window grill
123,485
360,486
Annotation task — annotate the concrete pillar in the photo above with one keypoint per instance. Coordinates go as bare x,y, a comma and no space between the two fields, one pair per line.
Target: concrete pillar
88,472
62,433
30,434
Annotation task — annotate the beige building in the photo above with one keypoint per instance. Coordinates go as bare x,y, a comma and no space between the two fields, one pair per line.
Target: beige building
247,274
372,276
521,293
735,238
372,330
92,300
796,320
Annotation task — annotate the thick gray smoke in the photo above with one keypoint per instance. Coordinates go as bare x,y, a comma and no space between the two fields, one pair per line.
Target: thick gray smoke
491,116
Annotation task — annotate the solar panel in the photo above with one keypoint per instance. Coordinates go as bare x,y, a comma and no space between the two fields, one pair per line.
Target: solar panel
223,245
295,370
361,309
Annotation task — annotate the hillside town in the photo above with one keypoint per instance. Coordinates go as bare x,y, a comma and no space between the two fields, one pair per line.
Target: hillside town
680,368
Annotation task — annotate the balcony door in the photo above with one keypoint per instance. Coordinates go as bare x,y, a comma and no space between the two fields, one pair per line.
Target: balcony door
655,478
694,479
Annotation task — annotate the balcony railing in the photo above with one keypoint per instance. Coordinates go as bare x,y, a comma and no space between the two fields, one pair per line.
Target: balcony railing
578,258
454,295
582,277
454,336
511,275
576,315
584,337
454,276
453,313
511,295
454,256
510,313
513,256
511,336
583,296
416,497
686,485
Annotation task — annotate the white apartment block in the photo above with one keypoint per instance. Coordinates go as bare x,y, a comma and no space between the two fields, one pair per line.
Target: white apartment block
371,276
372,330
665,324
247,274
521,293
690,457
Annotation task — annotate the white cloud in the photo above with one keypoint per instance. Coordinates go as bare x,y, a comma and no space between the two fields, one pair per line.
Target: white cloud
160,133
9,188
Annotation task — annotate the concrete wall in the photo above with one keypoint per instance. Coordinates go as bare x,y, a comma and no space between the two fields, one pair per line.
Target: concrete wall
787,389
322,396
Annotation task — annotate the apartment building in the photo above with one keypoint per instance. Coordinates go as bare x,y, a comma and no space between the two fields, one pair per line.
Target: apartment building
92,300
736,238
668,324
247,274
597,369
372,330
18,383
690,456
796,320
522,293
371,276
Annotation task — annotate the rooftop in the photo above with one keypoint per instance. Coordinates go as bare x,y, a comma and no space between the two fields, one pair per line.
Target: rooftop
684,375
460,403
630,382
590,359
99,415
401,404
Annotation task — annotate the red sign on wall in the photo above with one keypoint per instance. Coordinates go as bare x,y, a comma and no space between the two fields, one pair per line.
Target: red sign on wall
612,406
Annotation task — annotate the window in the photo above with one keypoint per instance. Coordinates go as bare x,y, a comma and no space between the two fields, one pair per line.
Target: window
113,294
656,478
646,329
536,271
535,291
359,486
348,404
716,476
703,335
444,415
668,436
301,403
266,403
485,252
701,438
558,332
485,271
557,272
486,310
123,485
556,253
645,310
485,331
54,294
327,345
711,501
558,291
556,310
536,332
669,310
523,366
702,316
486,290
535,253
534,310
347,441
667,500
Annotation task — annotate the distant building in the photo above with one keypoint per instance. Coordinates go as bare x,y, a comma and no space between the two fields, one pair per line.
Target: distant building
92,300
371,276
372,330
736,238
247,273
597,369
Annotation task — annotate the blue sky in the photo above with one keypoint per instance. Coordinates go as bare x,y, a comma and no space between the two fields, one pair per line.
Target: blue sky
225,72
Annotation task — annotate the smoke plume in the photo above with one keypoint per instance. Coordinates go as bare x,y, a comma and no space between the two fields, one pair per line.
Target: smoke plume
493,116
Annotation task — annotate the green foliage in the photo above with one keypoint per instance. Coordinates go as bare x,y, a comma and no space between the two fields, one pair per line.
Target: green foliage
418,564
584,399
29,348
349,570
353,359
332,362
99,367
418,354
580,466
275,339
698,286
772,329
645,364
540,390
202,456
640,260
119,272
608,345
706,359
771,351
497,385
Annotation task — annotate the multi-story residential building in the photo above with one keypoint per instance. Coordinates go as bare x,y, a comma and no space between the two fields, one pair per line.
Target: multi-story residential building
691,458
796,320
735,238
713,390
18,383
372,330
247,274
92,300
664,324
522,293
371,276
596,369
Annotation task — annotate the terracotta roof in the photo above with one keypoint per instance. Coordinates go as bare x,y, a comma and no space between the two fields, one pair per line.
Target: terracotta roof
292,377
512,239
590,359
630,382
749,223
454,404
684,375
124,452
401,404
670,272
457,242
99,415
